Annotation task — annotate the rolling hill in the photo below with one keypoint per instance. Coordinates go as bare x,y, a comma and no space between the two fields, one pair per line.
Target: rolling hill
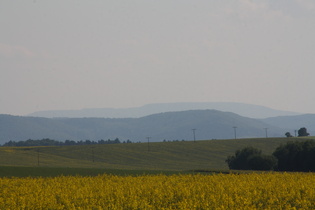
210,124
187,155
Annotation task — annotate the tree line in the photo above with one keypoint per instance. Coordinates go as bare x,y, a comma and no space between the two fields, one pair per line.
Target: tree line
293,156
301,132
51,142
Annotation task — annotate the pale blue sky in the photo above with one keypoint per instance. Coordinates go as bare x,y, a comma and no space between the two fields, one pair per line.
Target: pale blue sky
98,54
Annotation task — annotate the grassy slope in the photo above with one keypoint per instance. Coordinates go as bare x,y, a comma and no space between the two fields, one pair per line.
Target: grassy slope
208,154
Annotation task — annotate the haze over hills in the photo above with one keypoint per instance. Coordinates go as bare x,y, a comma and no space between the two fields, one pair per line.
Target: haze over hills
210,124
292,123
246,110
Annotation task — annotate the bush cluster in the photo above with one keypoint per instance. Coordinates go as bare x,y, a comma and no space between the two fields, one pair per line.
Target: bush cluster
293,156
251,158
296,156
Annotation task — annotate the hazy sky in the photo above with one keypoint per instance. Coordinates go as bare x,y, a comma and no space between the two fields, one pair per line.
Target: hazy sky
98,54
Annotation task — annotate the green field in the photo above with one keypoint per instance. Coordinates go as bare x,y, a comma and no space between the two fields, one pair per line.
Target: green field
135,158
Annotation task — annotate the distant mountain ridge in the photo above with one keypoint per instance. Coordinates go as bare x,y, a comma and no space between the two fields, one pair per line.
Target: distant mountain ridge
210,124
246,110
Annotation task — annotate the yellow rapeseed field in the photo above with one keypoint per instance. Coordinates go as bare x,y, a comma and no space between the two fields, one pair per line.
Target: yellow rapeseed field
221,191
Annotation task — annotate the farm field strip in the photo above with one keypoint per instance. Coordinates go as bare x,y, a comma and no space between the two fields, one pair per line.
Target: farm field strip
188,155
220,191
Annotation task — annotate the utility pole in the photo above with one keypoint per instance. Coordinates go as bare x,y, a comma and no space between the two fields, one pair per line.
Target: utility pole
266,130
234,127
148,143
194,129
295,133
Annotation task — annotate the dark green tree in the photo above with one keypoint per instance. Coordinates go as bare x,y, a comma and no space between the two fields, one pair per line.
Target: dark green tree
303,132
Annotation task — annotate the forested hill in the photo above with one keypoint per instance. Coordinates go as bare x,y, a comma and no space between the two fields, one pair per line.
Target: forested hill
209,124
